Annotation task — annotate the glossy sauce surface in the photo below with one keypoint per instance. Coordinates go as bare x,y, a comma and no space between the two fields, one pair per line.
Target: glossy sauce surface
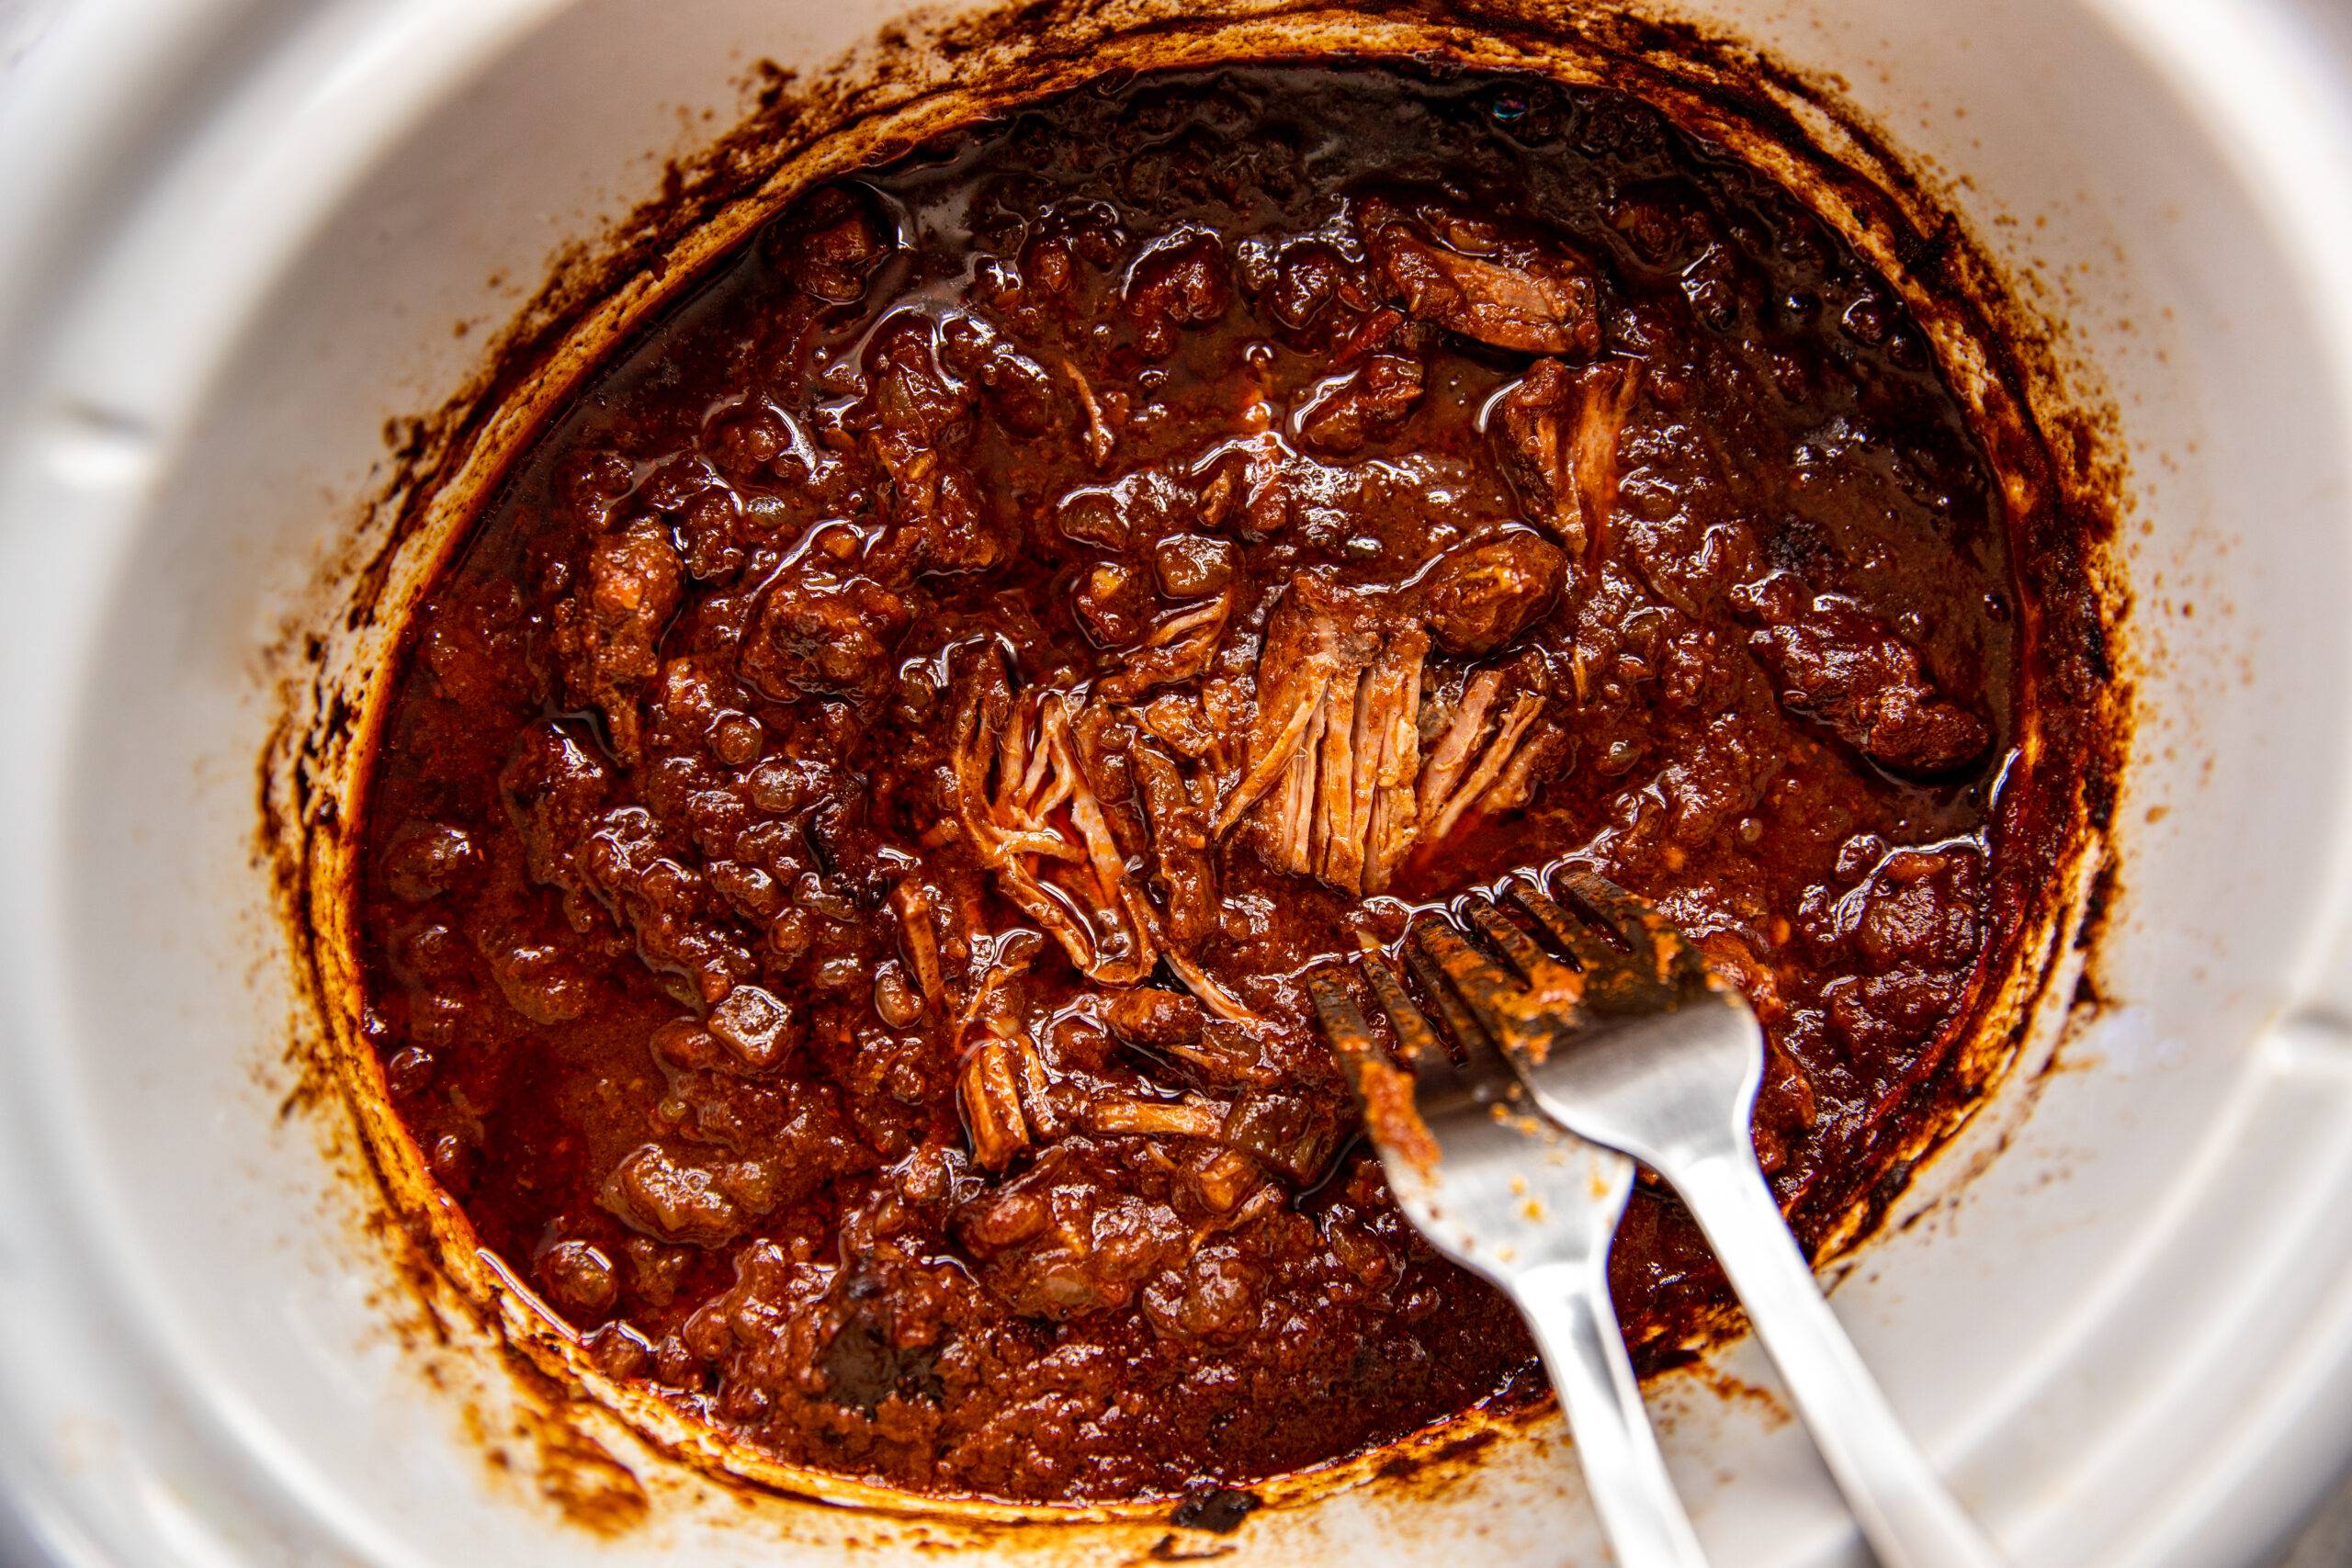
853,824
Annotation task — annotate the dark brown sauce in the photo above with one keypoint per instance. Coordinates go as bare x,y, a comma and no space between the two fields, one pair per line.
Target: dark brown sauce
683,947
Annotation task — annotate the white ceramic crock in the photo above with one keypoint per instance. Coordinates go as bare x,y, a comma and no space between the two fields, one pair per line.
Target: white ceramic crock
234,237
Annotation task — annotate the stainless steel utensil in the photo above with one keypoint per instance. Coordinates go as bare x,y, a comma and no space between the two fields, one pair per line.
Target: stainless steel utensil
1533,1208
1633,1044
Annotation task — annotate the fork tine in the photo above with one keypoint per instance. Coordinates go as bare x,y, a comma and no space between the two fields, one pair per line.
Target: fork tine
1389,1098
1466,987
1613,909
1458,1021
1606,904
1423,1052
1517,947
1478,978
1587,946
1343,1022
1414,1038
1652,939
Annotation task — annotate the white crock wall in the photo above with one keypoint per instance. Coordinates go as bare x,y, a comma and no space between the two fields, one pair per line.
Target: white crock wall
248,231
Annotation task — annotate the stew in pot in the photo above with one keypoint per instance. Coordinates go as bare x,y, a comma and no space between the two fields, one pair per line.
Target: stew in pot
853,823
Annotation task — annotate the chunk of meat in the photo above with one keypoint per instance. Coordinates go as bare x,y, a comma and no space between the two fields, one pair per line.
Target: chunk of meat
1314,632
794,1131
1479,596
1504,289
1335,747
541,982
1488,757
1190,565
1847,667
1032,819
1019,389
1101,739
830,244
1908,934
1560,435
1147,503
1388,747
1253,486
743,441
1006,1096
896,1001
918,937
607,633
1302,282
1182,282
995,963
1153,1017
1180,647
695,696
1192,1116
921,420
1917,907
756,1026
1110,598
1069,1237
553,787
1221,1048
912,402
675,1200
662,902
1212,1300
1177,804
1294,1134
426,860
814,634
733,1152
1364,405
578,1276
1180,721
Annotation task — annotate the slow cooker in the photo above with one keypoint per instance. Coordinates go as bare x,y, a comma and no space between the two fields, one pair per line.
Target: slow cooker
244,246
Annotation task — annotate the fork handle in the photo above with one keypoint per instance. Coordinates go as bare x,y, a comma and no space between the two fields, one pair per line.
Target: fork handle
1568,1307
1905,1511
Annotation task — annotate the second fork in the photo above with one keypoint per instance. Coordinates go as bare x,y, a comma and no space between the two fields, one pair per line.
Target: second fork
1532,1210
1641,1048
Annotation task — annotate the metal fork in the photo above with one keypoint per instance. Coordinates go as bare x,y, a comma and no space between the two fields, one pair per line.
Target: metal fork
1641,1048
1532,1208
